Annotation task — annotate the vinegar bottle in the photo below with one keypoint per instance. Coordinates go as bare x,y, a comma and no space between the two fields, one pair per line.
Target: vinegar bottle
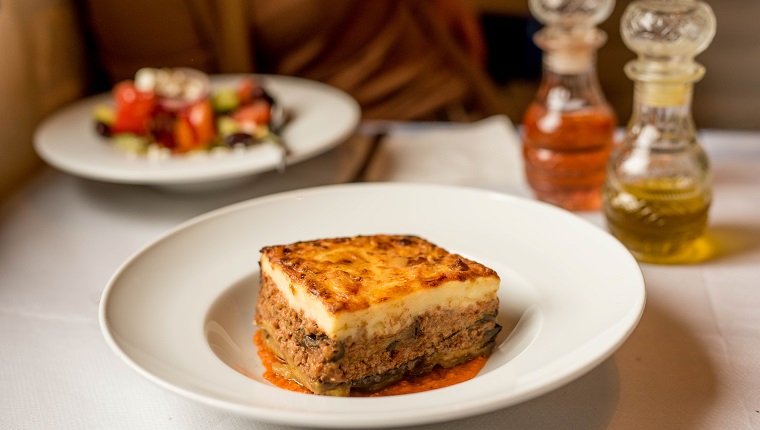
568,129
657,193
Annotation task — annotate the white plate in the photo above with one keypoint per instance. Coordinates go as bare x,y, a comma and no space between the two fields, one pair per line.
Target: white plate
323,116
180,311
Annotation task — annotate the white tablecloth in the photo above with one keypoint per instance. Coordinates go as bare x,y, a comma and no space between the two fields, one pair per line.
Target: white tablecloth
693,362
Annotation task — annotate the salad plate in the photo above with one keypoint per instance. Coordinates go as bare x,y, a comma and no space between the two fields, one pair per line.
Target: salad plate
180,310
321,118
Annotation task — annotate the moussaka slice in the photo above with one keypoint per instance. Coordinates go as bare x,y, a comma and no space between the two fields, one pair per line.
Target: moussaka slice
362,312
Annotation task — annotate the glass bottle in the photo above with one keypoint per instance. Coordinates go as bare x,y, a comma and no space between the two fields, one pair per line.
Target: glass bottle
657,193
569,127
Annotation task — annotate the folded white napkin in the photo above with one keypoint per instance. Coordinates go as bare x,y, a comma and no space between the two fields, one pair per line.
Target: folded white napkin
485,154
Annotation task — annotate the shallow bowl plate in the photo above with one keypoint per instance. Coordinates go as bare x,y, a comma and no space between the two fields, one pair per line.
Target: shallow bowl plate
180,310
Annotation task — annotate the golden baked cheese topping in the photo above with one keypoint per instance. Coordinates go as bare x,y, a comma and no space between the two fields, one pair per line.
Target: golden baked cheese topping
350,274
344,283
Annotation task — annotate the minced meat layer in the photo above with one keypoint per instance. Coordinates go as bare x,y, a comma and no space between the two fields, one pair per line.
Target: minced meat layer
333,366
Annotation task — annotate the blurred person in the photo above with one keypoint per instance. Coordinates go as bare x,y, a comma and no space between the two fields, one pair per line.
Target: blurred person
401,59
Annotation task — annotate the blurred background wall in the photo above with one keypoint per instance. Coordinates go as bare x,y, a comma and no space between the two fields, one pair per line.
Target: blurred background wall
42,69
46,63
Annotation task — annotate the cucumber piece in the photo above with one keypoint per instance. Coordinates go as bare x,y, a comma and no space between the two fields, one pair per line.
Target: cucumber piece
130,143
225,126
225,100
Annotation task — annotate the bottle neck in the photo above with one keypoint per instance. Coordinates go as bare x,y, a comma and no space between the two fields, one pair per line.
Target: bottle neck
661,116
570,61
584,76
564,88
569,51
569,80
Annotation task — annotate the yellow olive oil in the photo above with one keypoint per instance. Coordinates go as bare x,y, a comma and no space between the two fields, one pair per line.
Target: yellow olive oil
657,219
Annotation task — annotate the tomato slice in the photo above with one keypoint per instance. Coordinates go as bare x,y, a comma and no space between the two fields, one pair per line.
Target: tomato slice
133,109
252,115
245,90
201,117
184,137
194,127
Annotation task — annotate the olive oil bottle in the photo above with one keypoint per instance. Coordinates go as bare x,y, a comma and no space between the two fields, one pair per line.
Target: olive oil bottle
657,195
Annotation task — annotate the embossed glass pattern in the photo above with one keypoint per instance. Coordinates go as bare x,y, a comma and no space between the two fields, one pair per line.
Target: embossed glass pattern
571,12
677,28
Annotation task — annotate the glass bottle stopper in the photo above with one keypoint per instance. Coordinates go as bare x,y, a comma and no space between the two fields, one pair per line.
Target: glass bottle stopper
570,37
666,35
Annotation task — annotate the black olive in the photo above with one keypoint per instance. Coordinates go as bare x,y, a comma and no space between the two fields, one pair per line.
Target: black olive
236,139
102,129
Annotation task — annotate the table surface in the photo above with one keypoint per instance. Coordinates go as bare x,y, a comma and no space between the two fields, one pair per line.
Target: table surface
693,362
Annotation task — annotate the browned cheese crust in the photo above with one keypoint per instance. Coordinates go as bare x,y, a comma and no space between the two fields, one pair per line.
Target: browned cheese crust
344,273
